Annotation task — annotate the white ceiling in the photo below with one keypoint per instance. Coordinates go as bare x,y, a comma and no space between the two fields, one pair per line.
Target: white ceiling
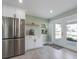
41,8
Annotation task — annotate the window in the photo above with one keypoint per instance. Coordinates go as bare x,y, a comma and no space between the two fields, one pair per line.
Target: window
72,32
58,33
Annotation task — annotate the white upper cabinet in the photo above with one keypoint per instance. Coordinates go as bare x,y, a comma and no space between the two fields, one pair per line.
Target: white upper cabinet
11,12
8,11
20,13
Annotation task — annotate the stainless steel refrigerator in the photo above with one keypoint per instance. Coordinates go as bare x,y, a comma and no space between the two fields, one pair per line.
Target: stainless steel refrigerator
13,37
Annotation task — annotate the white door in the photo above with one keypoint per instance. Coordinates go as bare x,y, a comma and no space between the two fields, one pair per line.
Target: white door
59,34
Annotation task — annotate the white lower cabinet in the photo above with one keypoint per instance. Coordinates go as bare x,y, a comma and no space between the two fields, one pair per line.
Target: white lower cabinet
39,43
32,42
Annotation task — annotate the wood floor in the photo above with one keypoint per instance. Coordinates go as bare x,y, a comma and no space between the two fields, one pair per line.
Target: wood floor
48,52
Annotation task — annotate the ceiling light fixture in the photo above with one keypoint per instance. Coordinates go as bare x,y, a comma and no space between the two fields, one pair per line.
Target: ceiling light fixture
51,11
20,1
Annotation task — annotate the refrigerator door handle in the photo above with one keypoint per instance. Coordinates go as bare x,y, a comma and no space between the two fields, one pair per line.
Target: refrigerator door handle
14,27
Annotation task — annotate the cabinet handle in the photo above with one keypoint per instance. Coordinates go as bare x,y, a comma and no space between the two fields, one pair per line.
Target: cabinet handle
34,40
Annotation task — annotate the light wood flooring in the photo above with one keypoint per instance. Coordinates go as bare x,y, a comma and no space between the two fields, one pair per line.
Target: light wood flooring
48,52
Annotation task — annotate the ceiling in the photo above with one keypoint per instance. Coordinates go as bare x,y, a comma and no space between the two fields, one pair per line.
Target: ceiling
41,8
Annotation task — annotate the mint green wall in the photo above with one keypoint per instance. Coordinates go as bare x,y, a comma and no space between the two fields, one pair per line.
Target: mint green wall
36,20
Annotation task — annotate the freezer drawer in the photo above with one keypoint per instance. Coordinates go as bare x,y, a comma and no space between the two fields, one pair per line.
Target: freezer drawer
7,48
19,45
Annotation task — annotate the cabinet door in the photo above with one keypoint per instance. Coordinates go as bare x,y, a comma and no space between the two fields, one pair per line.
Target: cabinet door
30,43
38,42
8,11
20,14
33,42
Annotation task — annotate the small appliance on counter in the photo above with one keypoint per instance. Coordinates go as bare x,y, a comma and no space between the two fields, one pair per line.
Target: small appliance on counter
31,32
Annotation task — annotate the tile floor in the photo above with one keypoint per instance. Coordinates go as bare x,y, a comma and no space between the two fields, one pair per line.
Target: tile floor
48,52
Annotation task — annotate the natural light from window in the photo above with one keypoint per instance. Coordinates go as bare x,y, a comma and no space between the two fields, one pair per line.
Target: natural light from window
72,31
58,33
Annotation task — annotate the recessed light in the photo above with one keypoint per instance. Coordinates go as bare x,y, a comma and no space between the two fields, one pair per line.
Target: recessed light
20,1
51,11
